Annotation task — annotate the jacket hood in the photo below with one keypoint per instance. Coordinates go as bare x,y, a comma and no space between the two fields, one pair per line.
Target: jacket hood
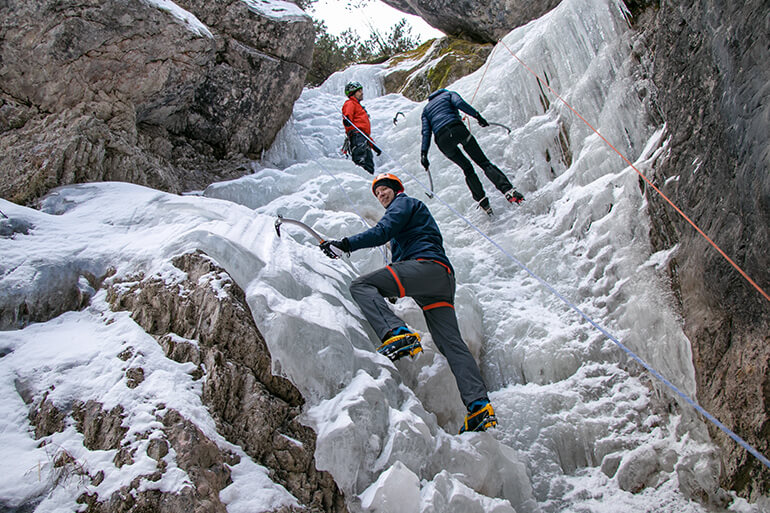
436,93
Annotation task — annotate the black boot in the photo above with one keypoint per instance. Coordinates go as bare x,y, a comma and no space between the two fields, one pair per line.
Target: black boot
485,206
513,196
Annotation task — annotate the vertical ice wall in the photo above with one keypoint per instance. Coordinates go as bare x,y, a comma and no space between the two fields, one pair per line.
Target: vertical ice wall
581,428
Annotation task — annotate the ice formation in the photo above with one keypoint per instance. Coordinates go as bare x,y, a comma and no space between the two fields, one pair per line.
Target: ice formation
581,429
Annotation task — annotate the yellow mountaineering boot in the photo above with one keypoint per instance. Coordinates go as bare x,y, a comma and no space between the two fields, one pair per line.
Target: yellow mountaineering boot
400,342
480,417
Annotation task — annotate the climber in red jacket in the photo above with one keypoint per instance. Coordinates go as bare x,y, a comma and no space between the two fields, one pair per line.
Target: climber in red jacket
358,129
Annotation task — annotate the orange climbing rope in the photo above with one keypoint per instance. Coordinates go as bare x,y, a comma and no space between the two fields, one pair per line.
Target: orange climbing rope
736,266
489,61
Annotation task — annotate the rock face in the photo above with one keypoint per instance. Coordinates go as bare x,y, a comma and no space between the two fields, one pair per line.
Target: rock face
112,90
711,73
253,408
479,21
434,65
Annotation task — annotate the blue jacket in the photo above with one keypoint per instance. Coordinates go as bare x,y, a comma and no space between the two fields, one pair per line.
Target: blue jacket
441,110
411,230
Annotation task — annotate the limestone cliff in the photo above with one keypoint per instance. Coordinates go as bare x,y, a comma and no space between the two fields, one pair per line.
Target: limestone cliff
433,65
112,90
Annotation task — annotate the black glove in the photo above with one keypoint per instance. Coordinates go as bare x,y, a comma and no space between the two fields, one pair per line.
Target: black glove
482,122
343,245
377,150
424,160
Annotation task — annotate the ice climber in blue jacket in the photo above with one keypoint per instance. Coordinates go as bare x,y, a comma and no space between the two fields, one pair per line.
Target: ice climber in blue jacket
422,271
441,117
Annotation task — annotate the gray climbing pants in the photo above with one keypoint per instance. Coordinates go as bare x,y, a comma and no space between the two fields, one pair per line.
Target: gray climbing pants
432,286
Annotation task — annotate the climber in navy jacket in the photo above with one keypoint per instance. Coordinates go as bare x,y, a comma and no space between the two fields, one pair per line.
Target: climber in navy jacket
441,117
422,271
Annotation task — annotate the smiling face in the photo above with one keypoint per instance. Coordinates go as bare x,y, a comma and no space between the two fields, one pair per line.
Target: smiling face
384,195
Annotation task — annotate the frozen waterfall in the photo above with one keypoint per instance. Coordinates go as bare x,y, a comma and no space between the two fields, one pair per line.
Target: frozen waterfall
573,411
580,427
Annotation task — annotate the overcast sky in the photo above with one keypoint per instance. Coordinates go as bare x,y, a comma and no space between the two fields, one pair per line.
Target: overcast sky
376,14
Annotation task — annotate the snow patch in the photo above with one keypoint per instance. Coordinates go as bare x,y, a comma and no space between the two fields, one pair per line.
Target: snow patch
187,18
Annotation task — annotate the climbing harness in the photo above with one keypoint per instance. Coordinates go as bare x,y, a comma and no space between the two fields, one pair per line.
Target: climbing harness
395,118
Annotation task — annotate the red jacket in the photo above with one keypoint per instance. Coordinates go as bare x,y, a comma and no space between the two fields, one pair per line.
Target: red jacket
356,113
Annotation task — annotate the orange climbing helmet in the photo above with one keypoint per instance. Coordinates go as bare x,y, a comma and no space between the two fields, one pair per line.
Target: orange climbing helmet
388,179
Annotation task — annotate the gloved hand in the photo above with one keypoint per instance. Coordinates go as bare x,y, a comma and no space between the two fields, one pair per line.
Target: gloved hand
343,245
377,150
482,122
424,159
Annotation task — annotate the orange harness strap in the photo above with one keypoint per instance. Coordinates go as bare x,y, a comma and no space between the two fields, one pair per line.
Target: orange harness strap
439,263
440,304
401,291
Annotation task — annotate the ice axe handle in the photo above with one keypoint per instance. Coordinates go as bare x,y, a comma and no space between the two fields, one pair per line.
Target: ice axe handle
501,125
329,250
430,181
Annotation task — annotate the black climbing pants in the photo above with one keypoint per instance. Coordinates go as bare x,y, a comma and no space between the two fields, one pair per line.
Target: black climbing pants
360,151
449,137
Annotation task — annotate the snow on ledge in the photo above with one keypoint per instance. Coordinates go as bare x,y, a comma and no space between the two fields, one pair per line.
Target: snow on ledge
275,9
187,18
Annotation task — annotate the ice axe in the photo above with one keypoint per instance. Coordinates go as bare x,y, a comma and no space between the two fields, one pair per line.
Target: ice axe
395,118
501,125
281,220
491,123
337,253
430,181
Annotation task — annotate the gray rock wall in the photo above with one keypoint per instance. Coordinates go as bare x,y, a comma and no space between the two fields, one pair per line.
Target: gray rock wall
252,407
482,21
710,68
121,90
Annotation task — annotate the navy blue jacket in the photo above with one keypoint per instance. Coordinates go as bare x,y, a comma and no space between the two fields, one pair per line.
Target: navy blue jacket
440,111
411,230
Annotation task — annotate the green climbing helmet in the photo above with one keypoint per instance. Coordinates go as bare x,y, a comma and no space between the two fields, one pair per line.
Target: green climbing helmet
352,87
